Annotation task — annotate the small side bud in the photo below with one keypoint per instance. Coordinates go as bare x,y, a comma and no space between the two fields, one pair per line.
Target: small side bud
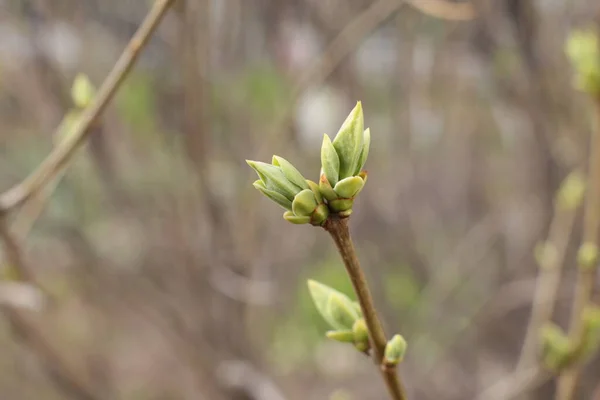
394,351
556,348
591,336
82,91
572,189
582,50
348,188
361,335
304,203
320,215
587,256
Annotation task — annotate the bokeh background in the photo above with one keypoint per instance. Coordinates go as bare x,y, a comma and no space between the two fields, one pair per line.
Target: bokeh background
172,278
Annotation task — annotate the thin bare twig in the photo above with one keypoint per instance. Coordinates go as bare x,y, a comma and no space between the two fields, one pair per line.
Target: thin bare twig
567,382
338,229
20,193
548,281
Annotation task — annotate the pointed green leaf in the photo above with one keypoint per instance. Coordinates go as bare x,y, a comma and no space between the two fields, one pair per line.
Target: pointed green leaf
326,189
342,313
344,336
304,203
274,179
330,161
290,172
360,331
273,195
348,188
315,188
294,219
365,151
348,142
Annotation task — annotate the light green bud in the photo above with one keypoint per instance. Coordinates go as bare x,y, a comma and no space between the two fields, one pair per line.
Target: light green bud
587,256
341,206
591,336
361,335
82,91
330,161
326,189
365,151
572,189
582,50
556,347
394,351
348,142
347,188
304,203
315,188
319,216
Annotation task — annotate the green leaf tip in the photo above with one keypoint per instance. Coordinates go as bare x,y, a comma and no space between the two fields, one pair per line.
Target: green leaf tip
335,307
348,142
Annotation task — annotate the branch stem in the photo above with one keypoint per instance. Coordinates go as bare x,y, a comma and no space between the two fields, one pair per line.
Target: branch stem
338,229
567,382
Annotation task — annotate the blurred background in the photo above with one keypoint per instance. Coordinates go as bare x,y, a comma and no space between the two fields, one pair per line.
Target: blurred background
171,277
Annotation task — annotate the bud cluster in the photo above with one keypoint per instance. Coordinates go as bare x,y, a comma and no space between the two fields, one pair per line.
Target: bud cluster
342,177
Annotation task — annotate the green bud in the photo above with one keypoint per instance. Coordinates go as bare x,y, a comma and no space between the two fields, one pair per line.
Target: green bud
582,50
273,195
347,188
591,336
394,351
330,161
274,179
326,189
335,307
365,151
348,142
572,189
344,336
319,216
587,256
304,203
556,347
82,91
341,205
341,311
361,335
290,172
315,188
294,219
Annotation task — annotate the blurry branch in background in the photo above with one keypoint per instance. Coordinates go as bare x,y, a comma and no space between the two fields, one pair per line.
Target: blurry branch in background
444,9
582,49
550,256
35,188
61,154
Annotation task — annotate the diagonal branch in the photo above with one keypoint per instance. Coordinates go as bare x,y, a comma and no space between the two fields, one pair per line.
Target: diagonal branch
61,154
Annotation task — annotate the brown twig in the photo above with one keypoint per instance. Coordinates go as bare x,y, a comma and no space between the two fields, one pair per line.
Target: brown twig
567,382
61,154
548,281
338,229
